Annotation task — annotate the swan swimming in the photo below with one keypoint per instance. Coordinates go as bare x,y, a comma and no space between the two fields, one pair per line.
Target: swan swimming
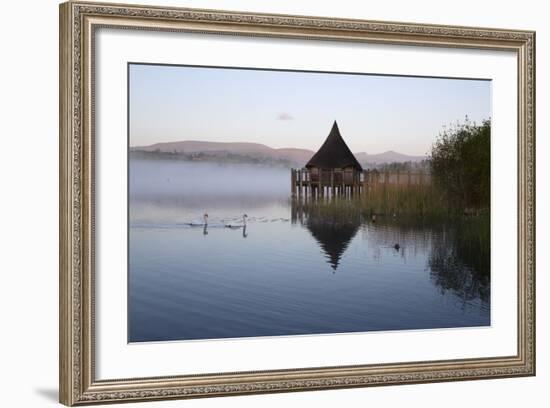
197,223
238,225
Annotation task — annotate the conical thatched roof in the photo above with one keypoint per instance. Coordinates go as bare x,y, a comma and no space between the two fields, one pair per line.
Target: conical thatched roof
334,153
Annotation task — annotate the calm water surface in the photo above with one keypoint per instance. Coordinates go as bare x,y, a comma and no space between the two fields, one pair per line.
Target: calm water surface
289,272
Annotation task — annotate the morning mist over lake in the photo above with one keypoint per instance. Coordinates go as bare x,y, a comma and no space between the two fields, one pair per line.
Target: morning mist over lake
278,203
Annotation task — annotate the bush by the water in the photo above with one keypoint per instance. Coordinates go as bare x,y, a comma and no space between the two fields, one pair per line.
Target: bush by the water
460,164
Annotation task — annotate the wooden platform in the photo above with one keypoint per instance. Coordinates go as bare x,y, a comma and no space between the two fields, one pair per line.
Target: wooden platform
334,182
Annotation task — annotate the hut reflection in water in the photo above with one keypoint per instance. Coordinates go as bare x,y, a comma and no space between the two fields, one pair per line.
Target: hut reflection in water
333,232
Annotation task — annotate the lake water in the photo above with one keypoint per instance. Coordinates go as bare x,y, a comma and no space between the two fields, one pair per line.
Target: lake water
289,272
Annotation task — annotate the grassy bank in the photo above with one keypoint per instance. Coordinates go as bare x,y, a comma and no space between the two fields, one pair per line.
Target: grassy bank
423,201
414,200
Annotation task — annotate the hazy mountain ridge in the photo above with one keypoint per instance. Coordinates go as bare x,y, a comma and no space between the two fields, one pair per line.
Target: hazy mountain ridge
293,156
389,156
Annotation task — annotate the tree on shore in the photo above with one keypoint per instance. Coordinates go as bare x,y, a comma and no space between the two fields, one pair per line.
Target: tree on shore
460,164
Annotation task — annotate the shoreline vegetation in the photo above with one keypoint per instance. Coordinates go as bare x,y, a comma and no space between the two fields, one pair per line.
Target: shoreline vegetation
424,203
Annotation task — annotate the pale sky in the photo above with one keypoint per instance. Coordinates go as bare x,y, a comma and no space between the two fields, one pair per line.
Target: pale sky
297,109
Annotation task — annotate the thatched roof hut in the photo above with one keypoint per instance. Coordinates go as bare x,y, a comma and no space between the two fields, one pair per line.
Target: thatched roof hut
334,153
332,171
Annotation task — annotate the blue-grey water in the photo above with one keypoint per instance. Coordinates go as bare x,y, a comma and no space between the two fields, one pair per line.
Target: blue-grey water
289,272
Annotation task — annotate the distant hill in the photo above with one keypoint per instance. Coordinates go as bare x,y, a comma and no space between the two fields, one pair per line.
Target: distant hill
387,157
257,151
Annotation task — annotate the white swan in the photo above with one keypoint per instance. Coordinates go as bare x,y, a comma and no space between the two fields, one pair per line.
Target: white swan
238,225
197,223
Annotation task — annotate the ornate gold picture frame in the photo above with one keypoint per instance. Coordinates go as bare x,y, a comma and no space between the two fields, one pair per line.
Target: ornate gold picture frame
78,24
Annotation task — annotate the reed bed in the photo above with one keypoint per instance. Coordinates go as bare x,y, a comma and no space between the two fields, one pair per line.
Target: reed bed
383,200
404,200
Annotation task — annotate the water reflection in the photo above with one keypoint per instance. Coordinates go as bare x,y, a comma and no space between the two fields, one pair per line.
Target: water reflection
273,277
333,232
458,250
460,260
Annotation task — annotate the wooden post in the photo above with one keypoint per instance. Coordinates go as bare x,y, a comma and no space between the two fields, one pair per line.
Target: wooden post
306,193
346,189
332,183
293,182
321,184
300,181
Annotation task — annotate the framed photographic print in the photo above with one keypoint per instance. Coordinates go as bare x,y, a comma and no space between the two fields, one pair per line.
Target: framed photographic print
258,203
